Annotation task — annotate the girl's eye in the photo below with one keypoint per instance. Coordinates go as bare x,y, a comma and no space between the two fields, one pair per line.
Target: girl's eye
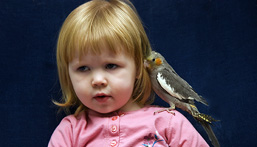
111,66
83,68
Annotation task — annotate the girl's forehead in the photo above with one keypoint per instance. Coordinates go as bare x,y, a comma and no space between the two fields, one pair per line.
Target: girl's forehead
101,49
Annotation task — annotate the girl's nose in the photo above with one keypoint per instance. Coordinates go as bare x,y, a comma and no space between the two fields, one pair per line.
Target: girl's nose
99,80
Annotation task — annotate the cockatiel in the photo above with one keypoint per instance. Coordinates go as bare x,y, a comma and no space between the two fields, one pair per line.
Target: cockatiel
169,86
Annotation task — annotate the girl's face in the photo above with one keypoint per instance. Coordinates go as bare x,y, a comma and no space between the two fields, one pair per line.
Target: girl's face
104,82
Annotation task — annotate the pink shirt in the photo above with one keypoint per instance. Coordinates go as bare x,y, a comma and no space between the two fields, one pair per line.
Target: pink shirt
139,128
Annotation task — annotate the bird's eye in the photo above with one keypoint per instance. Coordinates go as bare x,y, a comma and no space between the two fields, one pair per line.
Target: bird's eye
153,59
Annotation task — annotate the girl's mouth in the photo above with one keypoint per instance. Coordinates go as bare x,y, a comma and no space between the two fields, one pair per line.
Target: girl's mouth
101,97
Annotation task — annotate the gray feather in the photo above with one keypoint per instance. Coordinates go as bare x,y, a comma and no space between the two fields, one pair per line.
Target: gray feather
180,85
210,133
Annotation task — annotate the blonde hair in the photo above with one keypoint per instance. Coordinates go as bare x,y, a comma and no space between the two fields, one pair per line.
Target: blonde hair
113,23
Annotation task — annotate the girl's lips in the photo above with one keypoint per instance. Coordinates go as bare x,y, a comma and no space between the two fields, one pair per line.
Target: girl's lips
101,97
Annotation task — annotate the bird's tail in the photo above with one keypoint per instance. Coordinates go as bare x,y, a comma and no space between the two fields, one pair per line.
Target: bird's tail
205,121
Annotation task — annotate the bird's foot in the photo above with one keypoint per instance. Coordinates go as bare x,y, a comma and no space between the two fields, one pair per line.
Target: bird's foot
169,110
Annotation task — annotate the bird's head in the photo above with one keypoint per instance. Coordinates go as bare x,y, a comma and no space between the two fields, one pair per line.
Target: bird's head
153,61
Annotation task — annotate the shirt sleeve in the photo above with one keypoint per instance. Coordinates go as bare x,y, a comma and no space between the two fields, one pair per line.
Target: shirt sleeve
183,134
62,136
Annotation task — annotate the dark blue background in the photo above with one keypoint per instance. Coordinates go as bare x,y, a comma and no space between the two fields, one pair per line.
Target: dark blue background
210,43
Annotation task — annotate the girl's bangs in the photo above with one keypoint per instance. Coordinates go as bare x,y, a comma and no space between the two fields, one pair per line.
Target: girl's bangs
102,31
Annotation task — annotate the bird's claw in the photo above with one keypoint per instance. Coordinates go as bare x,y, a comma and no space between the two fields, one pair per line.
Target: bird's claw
169,110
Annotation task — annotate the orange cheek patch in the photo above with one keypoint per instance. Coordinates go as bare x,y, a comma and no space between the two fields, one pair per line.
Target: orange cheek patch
158,61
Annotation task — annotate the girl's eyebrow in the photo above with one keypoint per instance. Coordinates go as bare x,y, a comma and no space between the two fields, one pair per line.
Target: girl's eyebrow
74,62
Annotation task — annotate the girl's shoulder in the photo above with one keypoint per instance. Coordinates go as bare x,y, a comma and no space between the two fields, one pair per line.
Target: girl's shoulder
65,132
157,114
152,110
72,120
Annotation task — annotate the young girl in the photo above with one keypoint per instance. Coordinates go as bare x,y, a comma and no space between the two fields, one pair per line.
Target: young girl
100,53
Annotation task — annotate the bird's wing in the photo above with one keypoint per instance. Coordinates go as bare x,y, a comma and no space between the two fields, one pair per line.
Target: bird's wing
168,81
177,87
